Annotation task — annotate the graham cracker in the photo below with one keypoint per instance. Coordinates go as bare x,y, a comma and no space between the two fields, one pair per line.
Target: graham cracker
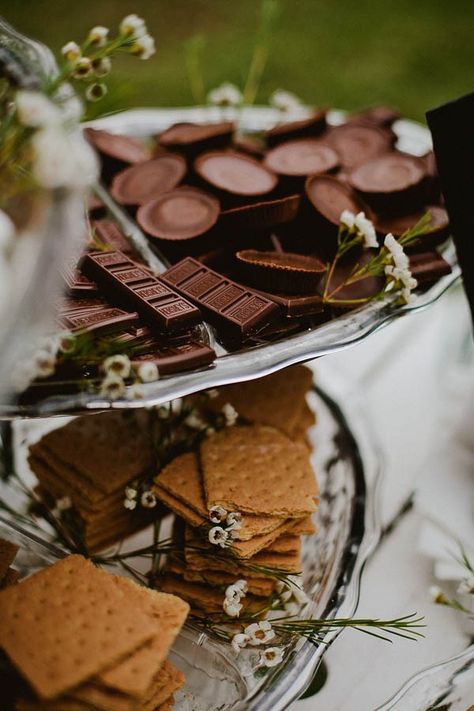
258,470
182,479
169,680
166,705
111,448
11,577
242,549
68,622
134,674
99,697
203,596
303,527
260,587
275,400
8,551
61,704
285,544
289,562
178,507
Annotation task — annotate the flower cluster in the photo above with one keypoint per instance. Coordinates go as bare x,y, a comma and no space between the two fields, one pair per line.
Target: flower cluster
147,499
397,270
92,60
360,227
222,535
117,369
230,414
234,593
254,635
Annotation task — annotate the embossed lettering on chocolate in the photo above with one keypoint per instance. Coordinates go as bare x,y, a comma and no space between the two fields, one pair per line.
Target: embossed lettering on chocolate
127,283
235,310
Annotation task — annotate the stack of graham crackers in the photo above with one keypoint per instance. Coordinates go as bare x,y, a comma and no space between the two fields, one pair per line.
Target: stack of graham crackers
8,575
257,471
91,460
78,638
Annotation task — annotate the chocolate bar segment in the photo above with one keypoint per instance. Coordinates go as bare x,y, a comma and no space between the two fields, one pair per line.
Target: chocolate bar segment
178,358
235,310
131,285
98,320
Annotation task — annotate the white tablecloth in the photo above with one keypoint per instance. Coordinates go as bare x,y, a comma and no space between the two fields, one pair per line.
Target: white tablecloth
415,377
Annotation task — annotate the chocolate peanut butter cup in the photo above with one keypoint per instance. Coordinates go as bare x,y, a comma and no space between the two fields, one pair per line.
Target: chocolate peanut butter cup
438,230
180,214
329,197
280,271
314,125
142,182
192,138
356,143
235,174
392,183
116,151
260,215
301,157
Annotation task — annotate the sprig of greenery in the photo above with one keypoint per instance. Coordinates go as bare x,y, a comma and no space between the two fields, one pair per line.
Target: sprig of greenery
269,15
374,267
314,629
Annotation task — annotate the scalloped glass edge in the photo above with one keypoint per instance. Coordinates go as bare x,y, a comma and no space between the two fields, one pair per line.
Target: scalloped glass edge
336,335
433,684
358,534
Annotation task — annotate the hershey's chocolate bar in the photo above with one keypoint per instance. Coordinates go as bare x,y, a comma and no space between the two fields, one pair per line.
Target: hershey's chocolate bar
134,287
235,310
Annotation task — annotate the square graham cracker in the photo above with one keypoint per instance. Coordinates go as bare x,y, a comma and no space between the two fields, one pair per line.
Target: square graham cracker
67,623
134,674
181,479
258,470
276,400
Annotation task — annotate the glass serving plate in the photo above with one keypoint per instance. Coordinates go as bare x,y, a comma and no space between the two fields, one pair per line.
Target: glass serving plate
347,464
52,233
253,362
448,686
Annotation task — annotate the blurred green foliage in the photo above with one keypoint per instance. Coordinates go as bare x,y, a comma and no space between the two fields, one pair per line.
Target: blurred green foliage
412,54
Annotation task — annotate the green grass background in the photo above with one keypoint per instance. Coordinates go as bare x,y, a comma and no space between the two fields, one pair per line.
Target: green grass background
413,54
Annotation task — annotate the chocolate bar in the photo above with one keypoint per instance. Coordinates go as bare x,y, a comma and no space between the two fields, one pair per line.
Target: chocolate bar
98,320
175,359
78,284
235,310
131,285
296,305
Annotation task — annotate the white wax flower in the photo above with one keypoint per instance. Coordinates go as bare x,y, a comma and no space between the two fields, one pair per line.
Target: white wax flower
130,504
232,609
347,219
148,500
71,51
217,514
239,641
112,387
98,36
148,372
259,633
233,521
230,413
133,26
285,101
83,68
217,536
35,110
226,94
96,91
271,657
366,228
144,47
102,67
118,365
